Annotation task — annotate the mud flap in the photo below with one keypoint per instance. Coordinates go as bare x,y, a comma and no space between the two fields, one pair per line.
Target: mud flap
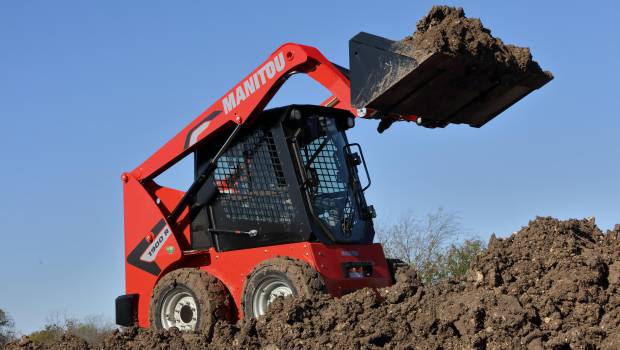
441,89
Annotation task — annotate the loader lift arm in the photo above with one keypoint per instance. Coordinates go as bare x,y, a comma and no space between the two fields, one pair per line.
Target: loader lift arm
246,99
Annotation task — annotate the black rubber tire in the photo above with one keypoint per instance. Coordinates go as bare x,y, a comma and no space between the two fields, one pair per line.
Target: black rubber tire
212,297
302,278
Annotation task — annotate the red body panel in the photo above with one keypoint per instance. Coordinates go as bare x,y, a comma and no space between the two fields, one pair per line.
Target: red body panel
233,267
141,215
154,246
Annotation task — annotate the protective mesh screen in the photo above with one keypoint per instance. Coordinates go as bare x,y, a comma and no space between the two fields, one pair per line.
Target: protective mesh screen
251,182
324,161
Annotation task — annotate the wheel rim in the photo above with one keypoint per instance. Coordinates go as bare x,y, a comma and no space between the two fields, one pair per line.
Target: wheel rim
179,309
267,292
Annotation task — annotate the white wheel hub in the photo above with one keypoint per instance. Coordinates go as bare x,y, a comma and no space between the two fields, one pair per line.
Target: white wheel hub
179,309
268,291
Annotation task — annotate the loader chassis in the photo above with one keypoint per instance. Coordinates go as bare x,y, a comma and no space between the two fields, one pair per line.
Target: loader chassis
269,184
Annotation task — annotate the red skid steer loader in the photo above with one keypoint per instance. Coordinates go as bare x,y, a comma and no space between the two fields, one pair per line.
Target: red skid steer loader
277,206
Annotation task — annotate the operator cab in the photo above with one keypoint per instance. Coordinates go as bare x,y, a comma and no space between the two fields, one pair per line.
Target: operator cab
291,176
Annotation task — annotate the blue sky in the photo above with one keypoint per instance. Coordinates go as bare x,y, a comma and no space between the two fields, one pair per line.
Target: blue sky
89,90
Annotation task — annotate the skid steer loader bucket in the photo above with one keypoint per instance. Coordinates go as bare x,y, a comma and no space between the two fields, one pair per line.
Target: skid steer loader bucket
440,89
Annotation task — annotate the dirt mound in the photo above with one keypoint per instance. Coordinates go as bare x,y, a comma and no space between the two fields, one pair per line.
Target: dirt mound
67,342
553,285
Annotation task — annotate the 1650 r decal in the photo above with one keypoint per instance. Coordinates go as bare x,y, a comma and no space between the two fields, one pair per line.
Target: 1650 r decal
144,254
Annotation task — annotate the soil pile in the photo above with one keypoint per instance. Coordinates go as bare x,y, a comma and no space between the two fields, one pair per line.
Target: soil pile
552,285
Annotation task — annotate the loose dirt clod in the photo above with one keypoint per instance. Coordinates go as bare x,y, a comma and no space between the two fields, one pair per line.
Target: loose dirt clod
552,285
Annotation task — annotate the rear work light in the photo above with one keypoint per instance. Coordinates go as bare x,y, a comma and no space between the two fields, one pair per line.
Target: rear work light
357,269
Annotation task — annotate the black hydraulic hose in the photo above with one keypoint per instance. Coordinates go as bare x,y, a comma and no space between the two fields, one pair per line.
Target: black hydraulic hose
201,179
